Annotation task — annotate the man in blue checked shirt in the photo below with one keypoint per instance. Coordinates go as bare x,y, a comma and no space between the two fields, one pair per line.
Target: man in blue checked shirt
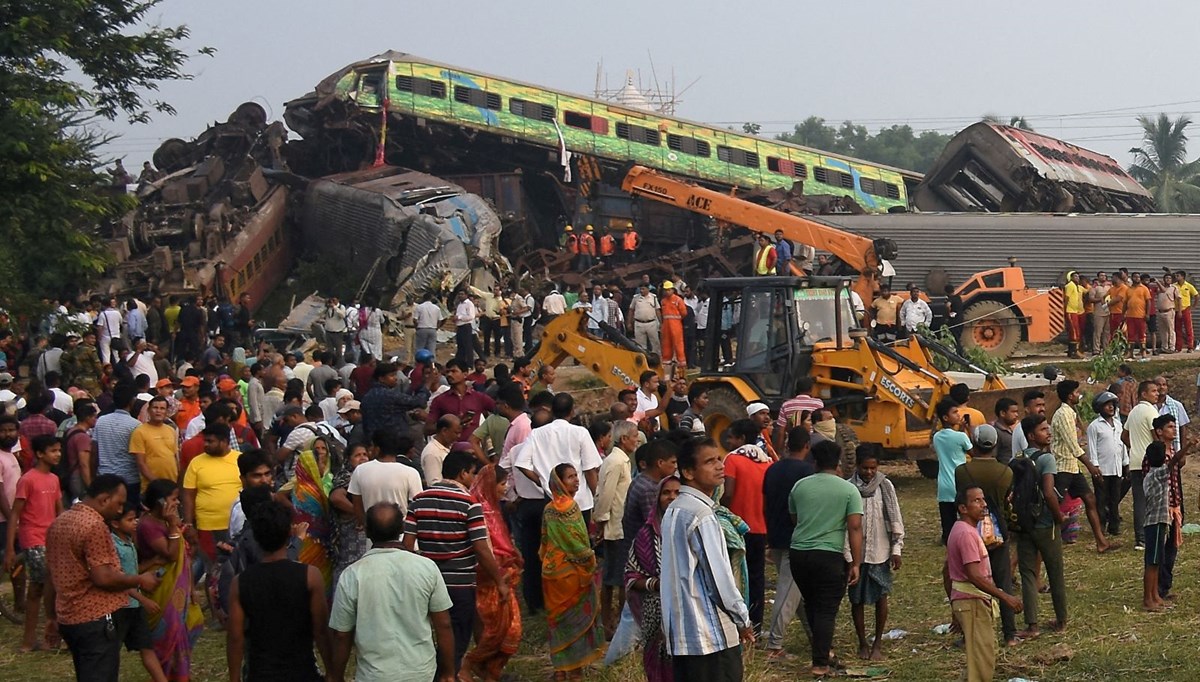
705,618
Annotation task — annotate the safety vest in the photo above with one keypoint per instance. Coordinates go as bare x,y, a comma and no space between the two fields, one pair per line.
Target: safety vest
572,244
607,245
764,263
630,241
587,244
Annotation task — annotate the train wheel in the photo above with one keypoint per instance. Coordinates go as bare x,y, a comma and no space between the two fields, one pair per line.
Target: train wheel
724,407
992,327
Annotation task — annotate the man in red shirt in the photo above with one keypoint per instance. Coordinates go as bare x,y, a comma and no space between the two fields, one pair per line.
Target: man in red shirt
461,400
361,377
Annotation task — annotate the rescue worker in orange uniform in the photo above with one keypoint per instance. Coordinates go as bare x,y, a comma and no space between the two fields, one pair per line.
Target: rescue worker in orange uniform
630,244
673,312
569,242
608,245
587,250
764,256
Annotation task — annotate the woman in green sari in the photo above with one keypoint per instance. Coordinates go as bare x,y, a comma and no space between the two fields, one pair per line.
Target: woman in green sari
569,580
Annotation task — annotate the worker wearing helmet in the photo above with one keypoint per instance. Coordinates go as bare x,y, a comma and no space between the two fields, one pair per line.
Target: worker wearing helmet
568,241
630,243
673,312
587,250
608,245
1111,457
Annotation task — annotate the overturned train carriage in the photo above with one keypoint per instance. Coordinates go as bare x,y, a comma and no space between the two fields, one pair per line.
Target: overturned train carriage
406,231
993,168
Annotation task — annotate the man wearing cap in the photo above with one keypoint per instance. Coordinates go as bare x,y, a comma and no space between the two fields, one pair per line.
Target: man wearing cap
673,310
1109,455
645,318
983,471
350,423
760,414
587,250
189,404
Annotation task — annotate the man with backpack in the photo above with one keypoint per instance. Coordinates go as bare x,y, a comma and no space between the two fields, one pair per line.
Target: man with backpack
995,480
1034,524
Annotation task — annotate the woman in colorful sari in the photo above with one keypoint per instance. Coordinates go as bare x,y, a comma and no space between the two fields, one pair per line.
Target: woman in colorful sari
349,542
501,619
178,622
569,580
642,583
310,501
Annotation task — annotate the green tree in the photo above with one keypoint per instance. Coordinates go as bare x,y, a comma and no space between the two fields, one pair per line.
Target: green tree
63,65
897,145
1161,164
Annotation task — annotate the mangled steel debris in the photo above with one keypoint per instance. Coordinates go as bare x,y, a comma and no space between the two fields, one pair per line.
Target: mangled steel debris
408,230
210,221
996,168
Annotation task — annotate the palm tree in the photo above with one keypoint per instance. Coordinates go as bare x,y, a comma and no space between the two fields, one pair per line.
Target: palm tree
1161,164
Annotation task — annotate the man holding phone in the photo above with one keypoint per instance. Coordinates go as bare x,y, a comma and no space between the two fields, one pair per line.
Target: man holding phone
462,400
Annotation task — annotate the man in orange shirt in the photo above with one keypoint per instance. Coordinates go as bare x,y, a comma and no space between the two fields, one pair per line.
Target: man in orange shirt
189,405
1137,305
673,311
1116,302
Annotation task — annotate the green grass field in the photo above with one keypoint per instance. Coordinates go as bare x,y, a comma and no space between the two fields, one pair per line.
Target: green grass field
1110,637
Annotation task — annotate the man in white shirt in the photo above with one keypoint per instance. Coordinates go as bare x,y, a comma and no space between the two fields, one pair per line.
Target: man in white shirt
427,317
558,442
1138,435
449,428
915,312
648,405
108,327
385,478
645,319
465,314
553,305
1108,453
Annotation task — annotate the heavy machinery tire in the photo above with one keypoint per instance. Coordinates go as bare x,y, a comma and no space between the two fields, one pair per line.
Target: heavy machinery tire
724,407
928,467
172,155
992,327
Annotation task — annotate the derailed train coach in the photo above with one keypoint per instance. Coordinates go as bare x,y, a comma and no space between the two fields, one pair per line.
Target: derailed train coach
993,168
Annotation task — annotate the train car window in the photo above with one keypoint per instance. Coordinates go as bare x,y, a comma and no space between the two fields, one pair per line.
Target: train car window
689,145
787,167
739,157
576,120
835,178
633,133
421,86
893,192
477,98
527,109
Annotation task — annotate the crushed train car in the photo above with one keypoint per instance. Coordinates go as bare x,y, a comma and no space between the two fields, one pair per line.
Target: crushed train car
209,221
994,168
407,231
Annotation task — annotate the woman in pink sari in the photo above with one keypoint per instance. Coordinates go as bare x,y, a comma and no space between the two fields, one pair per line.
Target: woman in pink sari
501,618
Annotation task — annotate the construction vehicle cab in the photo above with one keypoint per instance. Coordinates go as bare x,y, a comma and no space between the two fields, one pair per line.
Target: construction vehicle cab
999,310
765,333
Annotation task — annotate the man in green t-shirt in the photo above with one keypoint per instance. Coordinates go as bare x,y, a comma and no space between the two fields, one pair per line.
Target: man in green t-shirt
827,511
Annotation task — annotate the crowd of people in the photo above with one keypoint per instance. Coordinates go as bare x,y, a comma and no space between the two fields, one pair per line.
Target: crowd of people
1004,491
146,485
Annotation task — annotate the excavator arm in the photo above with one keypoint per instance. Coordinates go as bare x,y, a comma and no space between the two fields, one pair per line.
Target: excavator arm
861,253
618,363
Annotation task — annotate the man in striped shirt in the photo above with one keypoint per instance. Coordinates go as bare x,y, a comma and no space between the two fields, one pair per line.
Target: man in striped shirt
447,524
791,410
705,619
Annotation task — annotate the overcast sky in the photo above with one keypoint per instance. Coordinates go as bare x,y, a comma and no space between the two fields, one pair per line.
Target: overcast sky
1081,71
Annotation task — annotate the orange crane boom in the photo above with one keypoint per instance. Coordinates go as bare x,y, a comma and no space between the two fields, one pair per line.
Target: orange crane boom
863,254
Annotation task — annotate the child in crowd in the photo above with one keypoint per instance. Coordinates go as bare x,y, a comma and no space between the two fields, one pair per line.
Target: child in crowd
37,502
132,628
1158,521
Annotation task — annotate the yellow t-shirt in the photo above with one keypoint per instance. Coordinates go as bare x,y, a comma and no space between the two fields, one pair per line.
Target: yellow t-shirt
1186,292
160,445
1073,297
217,483
1137,300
